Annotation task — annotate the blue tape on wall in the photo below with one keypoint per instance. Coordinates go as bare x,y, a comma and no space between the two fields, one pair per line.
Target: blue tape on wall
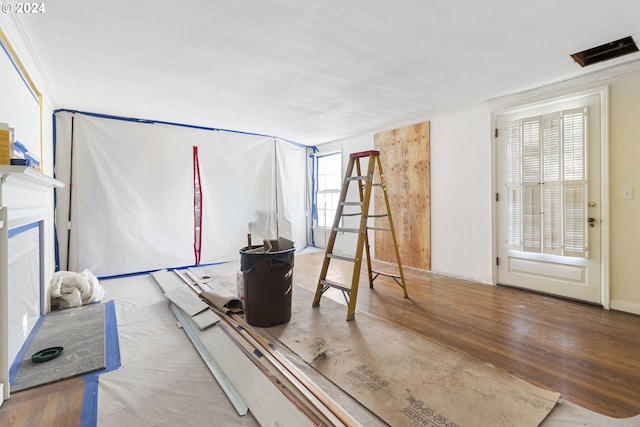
15,231
18,71
184,125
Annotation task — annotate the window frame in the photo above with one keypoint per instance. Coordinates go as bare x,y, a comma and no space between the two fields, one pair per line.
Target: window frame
336,177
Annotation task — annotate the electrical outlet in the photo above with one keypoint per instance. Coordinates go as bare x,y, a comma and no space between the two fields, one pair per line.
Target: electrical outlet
627,193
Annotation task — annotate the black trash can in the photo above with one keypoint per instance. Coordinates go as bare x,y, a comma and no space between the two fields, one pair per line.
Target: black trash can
268,284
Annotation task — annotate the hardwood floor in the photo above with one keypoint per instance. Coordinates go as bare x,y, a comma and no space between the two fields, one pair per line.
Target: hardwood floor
53,405
588,354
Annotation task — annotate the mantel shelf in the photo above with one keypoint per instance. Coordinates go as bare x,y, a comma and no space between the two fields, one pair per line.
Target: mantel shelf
27,174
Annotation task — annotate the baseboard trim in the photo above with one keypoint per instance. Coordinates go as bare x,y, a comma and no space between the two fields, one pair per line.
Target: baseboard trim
625,306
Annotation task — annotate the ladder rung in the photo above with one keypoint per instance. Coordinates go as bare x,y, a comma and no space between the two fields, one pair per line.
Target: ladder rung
376,184
356,178
378,216
342,257
334,285
350,203
364,154
379,228
352,214
395,276
346,230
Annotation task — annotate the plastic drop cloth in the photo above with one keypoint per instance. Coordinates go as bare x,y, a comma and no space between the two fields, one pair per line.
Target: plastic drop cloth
70,289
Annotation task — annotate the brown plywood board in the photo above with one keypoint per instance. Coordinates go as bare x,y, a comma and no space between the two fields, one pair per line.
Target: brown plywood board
405,159
404,378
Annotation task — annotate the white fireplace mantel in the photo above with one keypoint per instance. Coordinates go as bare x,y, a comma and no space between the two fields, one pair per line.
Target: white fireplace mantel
24,199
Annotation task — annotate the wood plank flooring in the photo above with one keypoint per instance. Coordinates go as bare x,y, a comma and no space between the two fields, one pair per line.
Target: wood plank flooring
52,405
588,354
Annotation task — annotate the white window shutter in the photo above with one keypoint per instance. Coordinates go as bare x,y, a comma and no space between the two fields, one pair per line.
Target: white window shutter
552,190
546,184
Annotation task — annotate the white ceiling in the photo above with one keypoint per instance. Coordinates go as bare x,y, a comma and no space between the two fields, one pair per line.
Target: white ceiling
309,71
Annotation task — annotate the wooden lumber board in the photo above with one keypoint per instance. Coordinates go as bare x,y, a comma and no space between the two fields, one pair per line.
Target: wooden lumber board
267,403
304,388
319,397
234,397
166,280
205,319
284,383
186,300
287,383
405,159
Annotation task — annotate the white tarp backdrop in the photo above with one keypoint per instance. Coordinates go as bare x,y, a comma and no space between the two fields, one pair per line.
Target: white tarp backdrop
132,193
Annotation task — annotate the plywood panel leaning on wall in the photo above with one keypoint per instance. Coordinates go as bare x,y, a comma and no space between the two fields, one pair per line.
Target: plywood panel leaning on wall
404,154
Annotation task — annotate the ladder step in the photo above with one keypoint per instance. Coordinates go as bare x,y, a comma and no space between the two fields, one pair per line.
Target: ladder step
378,216
346,230
379,228
350,204
352,214
342,257
330,284
381,273
356,178
364,154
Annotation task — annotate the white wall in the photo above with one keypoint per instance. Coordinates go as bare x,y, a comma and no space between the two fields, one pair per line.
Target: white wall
462,190
8,27
461,244
461,194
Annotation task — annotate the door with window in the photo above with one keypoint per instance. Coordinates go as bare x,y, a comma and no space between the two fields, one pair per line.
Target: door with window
549,197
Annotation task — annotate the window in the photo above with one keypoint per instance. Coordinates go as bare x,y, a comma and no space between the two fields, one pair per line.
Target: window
328,187
546,183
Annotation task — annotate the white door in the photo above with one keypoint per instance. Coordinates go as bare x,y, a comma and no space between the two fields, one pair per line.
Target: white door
549,197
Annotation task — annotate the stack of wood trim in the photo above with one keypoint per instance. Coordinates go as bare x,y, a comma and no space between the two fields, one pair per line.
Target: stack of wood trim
248,366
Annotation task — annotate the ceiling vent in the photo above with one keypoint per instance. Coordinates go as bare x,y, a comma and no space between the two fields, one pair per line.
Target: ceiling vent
606,51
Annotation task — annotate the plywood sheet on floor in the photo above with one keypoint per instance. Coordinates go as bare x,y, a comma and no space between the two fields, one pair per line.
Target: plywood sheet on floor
404,377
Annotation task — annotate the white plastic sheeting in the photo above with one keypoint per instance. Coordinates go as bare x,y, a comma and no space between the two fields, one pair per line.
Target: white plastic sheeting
24,285
132,193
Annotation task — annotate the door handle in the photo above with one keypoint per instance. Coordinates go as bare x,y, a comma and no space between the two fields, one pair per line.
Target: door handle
592,222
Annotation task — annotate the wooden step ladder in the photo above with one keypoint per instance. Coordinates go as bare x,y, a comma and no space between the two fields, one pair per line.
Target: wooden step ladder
365,186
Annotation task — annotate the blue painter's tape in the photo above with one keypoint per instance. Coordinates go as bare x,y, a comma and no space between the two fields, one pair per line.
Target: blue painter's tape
89,414
19,72
15,231
140,273
112,344
162,122
16,363
257,353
